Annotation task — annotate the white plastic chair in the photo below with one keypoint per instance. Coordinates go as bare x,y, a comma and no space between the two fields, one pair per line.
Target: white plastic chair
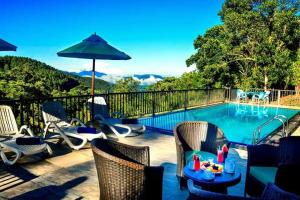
241,95
262,96
56,121
8,134
102,114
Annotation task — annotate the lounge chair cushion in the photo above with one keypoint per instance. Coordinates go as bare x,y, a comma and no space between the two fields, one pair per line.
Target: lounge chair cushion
130,121
29,141
204,155
86,130
263,174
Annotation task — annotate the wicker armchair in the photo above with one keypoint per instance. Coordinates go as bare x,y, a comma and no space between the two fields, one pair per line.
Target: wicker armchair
277,164
198,136
124,171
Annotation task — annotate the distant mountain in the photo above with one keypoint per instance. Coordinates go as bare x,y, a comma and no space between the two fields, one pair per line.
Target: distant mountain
88,73
145,79
22,77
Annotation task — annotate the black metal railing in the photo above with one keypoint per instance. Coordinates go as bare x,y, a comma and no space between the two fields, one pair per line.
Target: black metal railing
132,104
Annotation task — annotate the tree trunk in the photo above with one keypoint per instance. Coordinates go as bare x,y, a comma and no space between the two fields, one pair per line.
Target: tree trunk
266,82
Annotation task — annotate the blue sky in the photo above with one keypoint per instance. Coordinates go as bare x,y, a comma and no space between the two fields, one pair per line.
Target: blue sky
157,34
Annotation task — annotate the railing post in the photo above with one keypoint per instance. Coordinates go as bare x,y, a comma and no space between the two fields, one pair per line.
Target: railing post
278,97
185,99
108,101
153,104
208,97
226,94
21,112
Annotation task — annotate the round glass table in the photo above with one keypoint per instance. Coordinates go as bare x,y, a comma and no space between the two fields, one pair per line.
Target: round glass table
218,184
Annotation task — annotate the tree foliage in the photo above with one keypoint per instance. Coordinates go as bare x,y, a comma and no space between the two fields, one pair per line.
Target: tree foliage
191,80
256,46
22,77
126,85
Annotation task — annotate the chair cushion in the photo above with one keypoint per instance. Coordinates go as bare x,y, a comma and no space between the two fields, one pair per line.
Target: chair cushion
86,130
130,121
29,141
263,174
204,155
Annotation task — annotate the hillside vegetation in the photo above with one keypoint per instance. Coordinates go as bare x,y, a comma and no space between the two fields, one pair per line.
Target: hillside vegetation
22,77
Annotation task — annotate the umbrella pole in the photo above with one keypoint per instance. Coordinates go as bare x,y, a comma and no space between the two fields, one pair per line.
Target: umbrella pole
93,89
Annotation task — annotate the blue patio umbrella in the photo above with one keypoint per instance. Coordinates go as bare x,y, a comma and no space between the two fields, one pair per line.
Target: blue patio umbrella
93,47
5,46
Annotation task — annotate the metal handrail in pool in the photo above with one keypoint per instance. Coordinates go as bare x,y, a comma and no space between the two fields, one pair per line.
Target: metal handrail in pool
283,119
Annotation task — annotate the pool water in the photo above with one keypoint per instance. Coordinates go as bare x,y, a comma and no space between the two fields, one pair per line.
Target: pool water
238,121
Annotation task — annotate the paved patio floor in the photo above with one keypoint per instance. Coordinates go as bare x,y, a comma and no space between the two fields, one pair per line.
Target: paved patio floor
72,174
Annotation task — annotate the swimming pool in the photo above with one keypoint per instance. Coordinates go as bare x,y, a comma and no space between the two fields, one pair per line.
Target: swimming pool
238,121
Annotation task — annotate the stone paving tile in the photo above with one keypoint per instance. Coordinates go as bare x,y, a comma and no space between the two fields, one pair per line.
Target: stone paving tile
40,169
70,159
297,132
72,174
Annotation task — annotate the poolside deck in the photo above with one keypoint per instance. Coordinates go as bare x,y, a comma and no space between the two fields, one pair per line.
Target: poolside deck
72,174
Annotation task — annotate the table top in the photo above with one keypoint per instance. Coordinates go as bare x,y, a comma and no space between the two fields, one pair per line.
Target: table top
223,179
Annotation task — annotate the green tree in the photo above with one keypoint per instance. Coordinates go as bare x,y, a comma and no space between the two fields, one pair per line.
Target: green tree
295,73
126,85
255,46
169,83
191,80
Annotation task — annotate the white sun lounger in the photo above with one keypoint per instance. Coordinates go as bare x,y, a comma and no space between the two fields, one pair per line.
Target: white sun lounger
102,114
56,121
8,134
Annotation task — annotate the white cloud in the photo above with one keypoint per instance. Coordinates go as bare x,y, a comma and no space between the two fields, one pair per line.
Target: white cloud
148,81
111,78
73,70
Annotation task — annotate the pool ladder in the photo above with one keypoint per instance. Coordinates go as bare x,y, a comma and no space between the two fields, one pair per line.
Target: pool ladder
284,121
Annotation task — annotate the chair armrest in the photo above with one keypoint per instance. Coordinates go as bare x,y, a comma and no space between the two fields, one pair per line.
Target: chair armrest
287,177
54,125
99,117
180,153
262,155
154,182
182,146
28,130
77,120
